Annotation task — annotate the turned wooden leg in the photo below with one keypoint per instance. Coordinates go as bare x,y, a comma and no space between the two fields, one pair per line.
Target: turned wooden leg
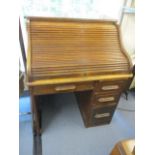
35,116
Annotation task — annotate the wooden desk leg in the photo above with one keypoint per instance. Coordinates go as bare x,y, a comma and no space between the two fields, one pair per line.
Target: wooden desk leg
35,116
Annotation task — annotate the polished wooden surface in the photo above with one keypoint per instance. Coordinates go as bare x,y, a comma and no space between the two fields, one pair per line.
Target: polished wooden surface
63,80
74,48
81,56
125,147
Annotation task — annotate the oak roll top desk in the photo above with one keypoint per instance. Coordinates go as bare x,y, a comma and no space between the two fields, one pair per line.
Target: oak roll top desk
81,56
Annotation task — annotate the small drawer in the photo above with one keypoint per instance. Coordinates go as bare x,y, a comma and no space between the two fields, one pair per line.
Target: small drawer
71,87
103,99
102,115
109,86
106,99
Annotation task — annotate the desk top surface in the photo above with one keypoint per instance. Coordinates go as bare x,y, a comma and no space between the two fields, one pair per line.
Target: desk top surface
74,48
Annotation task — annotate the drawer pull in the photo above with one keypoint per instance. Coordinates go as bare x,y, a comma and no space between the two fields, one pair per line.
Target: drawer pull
106,99
66,87
102,115
110,87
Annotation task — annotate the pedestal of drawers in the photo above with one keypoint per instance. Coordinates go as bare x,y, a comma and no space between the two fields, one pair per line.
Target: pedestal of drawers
98,106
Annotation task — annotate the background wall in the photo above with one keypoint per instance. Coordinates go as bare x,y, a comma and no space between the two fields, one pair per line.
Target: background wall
73,8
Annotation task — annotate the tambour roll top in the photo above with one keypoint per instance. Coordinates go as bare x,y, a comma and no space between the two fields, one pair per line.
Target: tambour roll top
74,48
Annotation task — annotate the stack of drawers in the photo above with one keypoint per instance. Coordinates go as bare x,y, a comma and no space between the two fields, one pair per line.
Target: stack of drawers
98,106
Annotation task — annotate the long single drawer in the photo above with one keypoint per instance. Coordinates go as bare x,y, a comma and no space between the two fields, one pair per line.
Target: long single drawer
102,115
72,87
110,86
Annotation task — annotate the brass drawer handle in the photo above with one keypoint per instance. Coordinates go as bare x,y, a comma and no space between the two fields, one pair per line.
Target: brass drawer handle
110,87
106,99
102,115
66,87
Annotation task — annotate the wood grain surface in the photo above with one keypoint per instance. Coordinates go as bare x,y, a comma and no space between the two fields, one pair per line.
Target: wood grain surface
74,48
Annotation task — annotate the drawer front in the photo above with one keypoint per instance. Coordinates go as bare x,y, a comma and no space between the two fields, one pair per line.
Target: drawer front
104,99
102,115
110,86
50,89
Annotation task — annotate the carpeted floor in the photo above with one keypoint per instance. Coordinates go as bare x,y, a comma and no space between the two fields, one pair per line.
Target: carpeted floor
25,128
64,132
25,136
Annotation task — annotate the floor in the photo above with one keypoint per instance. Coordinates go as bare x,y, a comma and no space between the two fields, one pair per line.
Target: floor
64,132
25,127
